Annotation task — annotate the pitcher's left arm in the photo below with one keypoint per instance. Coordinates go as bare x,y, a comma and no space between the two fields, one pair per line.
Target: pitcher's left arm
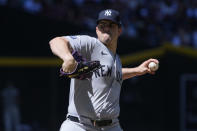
139,70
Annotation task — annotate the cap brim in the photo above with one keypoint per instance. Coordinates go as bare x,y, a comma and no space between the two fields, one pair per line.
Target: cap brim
119,24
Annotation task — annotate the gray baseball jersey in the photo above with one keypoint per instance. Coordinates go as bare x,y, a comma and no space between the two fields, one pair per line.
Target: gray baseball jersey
97,98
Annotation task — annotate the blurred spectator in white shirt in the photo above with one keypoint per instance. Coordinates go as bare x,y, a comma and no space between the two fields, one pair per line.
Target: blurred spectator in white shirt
11,114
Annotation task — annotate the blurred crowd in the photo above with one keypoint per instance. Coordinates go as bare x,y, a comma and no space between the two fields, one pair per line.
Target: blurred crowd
154,21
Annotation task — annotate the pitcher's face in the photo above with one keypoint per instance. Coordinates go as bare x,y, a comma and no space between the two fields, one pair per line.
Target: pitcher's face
107,31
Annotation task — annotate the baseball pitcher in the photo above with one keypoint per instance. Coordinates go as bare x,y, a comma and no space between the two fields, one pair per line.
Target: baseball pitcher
96,75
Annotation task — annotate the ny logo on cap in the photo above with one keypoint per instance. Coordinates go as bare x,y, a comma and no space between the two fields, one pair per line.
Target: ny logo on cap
108,13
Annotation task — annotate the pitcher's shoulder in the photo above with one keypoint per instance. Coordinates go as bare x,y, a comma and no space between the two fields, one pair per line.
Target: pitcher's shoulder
87,37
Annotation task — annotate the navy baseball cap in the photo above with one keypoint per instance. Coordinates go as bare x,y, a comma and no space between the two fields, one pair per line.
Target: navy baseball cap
110,14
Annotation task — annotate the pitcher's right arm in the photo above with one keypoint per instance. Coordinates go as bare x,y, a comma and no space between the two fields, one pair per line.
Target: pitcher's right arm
61,47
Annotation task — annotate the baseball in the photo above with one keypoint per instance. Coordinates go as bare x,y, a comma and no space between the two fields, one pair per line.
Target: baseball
153,66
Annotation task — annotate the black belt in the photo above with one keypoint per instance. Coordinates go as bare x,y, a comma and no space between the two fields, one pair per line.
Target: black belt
98,123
